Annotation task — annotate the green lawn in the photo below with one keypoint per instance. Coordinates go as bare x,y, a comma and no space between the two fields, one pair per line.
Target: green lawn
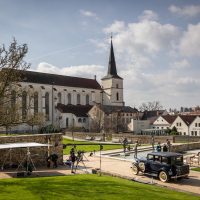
89,148
84,187
196,169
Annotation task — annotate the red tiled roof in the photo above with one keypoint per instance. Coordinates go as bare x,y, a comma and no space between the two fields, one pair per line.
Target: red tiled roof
195,113
54,79
169,118
188,119
77,110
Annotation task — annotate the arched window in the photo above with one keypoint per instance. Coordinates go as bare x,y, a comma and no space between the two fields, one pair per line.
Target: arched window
84,120
69,98
59,97
47,105
24,95
117,96
78,99
13,98
79,120
87,99
67,122
35,103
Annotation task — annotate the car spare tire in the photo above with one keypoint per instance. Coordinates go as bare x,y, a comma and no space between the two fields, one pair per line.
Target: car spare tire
163,176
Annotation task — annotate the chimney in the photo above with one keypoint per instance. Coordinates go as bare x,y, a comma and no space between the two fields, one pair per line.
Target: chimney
145,112
157,112
95,77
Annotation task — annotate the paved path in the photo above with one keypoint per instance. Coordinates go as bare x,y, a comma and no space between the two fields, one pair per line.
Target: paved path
123,168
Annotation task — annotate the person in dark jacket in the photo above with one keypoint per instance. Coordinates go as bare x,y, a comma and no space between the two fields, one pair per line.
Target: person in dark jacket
165,148
73,158
158,147
53,158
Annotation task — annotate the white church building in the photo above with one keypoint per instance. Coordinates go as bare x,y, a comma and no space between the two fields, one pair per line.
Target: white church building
67,100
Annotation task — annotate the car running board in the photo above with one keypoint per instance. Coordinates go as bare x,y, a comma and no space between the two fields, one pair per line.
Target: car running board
151,174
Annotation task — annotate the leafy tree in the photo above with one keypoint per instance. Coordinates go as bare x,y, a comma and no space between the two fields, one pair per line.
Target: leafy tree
168,130
12,66
50,129
154,105
174,131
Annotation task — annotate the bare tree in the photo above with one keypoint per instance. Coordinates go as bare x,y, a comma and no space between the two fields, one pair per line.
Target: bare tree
154,105
117,123
12,96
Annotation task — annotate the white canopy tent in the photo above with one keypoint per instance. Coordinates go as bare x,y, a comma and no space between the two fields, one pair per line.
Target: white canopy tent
27,145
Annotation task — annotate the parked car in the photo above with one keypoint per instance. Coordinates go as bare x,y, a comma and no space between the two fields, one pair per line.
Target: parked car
164,165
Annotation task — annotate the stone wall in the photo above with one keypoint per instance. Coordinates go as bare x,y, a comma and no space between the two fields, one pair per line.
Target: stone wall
185,147
83,135
143,139
38,154
186,138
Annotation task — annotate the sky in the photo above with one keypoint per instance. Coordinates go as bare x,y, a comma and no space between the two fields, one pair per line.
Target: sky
156,43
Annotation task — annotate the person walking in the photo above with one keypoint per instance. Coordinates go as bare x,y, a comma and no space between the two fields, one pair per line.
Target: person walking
165,148
158,147
73,157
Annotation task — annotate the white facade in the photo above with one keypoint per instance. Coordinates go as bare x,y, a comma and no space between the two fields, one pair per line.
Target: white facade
181,127
160,123
194,128
139,125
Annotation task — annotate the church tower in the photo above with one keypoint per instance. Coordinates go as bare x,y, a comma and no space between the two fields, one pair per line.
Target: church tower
112,84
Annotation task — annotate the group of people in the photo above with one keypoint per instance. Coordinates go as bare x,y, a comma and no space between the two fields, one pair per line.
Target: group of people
159,148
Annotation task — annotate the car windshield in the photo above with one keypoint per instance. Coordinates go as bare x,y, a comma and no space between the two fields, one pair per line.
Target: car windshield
178,159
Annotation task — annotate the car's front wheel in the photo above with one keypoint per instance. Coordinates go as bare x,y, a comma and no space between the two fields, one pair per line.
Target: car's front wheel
163,176
135,170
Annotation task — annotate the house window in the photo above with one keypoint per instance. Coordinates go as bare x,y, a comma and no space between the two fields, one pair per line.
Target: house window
123,120
59,97
130,114
199,124
176,124
126,114
130,119
78,99
84,120
184,133
87,99
161,127
108,115
195,124
180,124
157,127
69,99
117,96
153,127
123,115
192,132
24,95
116,85
180,133
67,122
127,120
79,120
35,103
162,120
195,133
47,105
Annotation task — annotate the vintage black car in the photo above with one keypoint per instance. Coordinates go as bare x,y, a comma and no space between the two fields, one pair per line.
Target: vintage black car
164,165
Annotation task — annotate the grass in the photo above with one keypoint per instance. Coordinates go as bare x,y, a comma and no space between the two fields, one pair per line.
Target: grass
196,169
89,148
84,187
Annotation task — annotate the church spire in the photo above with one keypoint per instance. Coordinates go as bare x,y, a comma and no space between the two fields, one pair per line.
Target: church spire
112,70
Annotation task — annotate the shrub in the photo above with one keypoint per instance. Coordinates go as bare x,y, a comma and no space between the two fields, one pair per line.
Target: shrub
50,129
174,133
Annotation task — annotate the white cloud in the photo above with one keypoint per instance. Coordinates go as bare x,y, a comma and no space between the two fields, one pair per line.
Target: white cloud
190,10
103,45
179,65
190,41
149,15
90,14
84,23
145,36
84,71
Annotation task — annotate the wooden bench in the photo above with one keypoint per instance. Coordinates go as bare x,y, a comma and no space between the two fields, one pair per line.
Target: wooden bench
115,140
88,138
97,139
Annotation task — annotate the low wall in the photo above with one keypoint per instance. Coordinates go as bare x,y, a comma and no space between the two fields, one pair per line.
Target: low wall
83,135
186,138
185,147
38,154
143,139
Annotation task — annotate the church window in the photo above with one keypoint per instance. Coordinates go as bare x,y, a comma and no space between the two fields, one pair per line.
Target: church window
116,85
59,97
69,98
127,120
67,122
35,103
78,99
84,120
87,99
117,96
130,114
13,98
47,105
24,95
123,120
79,120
